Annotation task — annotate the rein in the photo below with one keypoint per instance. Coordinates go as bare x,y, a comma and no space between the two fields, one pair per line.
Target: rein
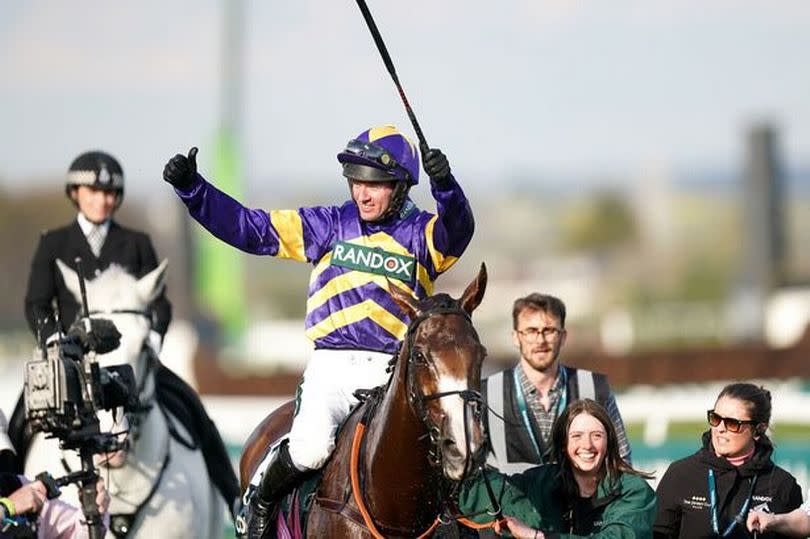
144,406
417,401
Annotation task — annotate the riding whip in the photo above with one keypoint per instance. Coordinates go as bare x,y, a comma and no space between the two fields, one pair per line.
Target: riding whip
375,33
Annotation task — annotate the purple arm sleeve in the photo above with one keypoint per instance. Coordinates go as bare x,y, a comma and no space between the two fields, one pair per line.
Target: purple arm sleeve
455,224
246,229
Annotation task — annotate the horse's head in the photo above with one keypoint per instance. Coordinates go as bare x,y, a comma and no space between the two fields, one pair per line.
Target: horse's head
444,357
116,295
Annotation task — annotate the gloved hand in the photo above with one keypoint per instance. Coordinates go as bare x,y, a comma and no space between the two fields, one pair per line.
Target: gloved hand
103,338
436,165
180,170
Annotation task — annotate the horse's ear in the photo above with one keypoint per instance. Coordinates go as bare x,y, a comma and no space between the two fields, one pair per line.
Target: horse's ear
151,285
405,301
71,279
472,296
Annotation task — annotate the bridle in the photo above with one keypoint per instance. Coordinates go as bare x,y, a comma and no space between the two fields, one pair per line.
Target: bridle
417,400
473,401
137,416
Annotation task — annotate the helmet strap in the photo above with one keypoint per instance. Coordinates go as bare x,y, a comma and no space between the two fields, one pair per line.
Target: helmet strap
398,198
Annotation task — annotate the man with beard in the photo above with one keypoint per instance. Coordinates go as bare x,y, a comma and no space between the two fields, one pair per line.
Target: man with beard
531,395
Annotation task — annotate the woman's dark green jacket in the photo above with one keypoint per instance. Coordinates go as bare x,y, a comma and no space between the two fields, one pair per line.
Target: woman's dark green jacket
621,508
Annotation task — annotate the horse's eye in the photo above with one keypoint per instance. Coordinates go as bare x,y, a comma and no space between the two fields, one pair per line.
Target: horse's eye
419,357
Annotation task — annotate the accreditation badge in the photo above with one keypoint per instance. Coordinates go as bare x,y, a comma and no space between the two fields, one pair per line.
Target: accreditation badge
373,260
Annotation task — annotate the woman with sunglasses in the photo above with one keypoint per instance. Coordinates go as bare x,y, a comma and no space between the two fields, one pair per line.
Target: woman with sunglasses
588,490
709,493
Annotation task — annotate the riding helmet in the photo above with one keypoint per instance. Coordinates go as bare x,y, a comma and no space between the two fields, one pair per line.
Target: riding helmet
381,154
96,169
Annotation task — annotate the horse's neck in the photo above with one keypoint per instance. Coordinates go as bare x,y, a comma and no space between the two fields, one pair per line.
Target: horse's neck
396,455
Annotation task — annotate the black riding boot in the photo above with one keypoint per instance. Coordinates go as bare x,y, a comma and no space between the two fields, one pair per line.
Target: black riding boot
279,478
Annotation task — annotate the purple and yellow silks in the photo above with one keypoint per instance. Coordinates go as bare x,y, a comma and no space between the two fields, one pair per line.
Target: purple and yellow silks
346,308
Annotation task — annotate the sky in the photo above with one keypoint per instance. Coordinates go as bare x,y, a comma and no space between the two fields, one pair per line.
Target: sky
552,88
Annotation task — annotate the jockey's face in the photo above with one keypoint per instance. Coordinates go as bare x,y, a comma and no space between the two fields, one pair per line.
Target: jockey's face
97,205
372,198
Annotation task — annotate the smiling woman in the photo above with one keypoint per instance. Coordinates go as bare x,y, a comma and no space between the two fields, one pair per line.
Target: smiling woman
588,490
711,492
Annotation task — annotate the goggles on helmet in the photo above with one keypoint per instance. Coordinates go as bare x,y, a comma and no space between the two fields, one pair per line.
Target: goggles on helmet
372,152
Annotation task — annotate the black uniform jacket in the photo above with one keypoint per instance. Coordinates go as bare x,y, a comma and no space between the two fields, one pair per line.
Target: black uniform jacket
133,250
683,493
128,248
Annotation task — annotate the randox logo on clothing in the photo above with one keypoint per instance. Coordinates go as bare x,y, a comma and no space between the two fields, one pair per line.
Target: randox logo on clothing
373,260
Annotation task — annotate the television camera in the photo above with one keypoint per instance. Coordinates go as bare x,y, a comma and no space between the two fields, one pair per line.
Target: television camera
65,388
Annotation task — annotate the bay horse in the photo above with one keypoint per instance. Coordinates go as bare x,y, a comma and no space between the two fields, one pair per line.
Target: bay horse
160,486
402,453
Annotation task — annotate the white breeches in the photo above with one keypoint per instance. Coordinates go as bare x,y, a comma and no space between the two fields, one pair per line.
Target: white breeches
327,396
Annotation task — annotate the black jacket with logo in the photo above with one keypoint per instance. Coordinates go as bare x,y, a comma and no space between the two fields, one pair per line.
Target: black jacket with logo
683,493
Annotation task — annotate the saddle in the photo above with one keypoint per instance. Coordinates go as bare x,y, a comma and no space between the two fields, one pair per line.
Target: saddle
294,508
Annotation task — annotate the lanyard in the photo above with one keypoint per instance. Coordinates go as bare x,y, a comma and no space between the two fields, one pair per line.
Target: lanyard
740,515
524,410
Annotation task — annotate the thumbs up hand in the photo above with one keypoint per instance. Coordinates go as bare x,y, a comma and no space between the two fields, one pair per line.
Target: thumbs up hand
181,170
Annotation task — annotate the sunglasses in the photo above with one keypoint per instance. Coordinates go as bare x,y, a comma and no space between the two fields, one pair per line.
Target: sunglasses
371,151
732,425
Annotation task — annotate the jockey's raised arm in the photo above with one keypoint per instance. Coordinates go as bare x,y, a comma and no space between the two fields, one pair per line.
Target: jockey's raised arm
356,249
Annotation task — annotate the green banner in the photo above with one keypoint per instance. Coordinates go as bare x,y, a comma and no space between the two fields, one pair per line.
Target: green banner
219,269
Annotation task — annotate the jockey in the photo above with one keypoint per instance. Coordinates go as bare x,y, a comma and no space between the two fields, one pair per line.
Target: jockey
358,249
95,186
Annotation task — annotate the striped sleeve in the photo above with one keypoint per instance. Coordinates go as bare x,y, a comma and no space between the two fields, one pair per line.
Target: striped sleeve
292,234
449,232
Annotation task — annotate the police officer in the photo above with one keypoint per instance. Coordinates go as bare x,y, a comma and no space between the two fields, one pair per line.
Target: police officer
95,186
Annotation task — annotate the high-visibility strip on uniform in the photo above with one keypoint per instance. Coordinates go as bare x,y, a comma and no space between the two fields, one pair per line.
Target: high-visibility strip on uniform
497,430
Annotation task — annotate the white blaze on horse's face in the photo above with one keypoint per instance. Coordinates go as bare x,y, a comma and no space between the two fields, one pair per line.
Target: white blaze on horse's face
456,434
116,290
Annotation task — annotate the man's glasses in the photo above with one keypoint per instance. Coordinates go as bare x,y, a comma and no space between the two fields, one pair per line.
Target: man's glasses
371,151
549,333
733,425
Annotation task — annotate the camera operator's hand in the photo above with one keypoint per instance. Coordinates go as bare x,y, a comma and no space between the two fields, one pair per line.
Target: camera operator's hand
103,338
180,170
102,496
29,498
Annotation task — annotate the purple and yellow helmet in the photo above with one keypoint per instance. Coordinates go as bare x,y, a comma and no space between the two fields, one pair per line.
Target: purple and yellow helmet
381,154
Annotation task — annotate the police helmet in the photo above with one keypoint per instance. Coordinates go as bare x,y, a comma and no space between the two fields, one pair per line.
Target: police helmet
96,169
